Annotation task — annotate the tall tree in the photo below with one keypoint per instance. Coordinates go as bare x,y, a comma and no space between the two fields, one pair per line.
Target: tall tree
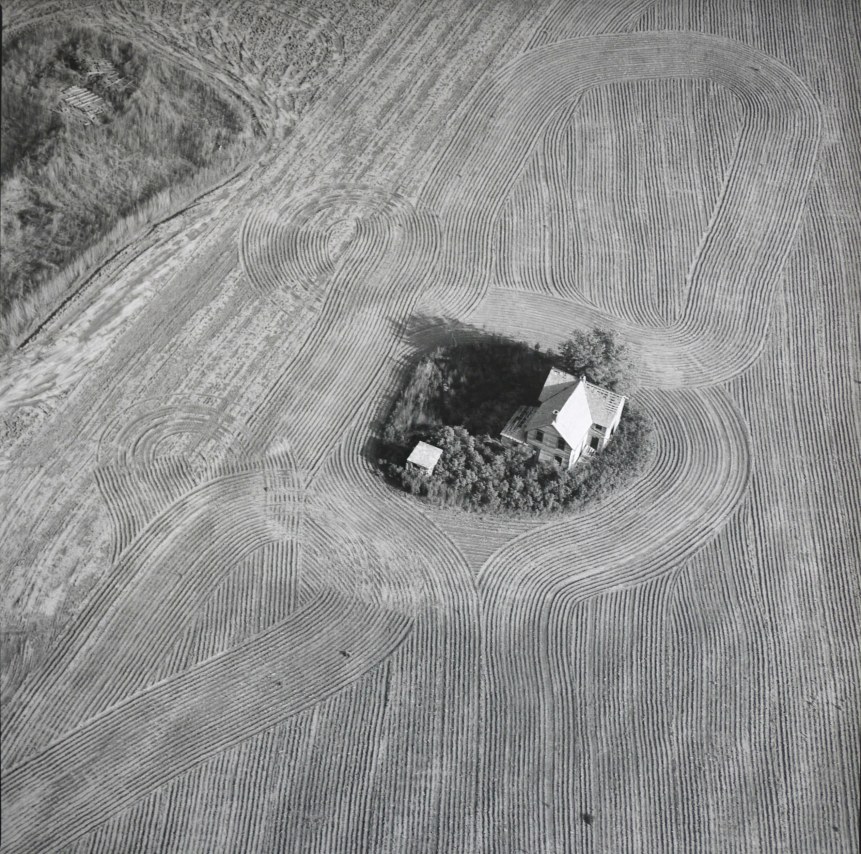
599,356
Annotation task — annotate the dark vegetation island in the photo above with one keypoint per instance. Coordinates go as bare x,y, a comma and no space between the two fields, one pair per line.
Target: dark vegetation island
97,133
518,429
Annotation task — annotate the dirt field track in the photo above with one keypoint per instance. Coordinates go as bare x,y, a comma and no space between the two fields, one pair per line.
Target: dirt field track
224,632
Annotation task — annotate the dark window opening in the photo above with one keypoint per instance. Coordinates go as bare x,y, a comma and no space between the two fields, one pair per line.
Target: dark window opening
539,436
560,443
594,443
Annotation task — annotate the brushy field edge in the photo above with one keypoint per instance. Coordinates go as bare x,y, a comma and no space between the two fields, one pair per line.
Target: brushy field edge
73,194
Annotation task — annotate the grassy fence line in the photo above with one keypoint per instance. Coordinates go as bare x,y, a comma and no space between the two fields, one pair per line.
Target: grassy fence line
28,315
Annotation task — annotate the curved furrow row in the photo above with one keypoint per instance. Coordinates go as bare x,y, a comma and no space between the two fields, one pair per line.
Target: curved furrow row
359,636
459,710
177,815
436,677
437,572
590,17
745,245
263,589
629,265
149,455
333,373
804,539
140,435
520,259
690,491
716,424
620,683
266,793
376,608
118,640
103,767
134,496
291,246
563,244
551,734
131,497
687,495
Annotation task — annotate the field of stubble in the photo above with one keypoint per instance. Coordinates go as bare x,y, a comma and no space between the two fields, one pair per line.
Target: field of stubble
224,632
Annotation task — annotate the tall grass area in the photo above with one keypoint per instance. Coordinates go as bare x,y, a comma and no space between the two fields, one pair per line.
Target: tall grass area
71,192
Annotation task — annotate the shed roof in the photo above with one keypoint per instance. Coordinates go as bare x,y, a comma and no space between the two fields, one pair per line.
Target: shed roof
603,404
425,456
516,426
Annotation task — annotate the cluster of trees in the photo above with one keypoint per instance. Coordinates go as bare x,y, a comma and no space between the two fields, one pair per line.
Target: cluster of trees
459,399
476,385
64,184
599,356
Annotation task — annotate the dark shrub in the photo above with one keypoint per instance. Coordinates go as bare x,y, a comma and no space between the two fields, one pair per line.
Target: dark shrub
599,356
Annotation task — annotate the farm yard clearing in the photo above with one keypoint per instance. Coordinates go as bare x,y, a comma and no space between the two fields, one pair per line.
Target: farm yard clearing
239,637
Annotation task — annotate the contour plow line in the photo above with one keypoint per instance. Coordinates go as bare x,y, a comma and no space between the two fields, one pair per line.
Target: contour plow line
697,478
446,654
129,625
154,452
134,496
740,257
324,385
692,488
105,765
363,608
293,246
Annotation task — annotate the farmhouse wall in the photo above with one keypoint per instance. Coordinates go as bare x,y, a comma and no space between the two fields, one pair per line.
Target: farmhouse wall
548,449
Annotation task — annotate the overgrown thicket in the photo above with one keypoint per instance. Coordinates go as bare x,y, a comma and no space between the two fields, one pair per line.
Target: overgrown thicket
476,385
65,183
599,356
459,398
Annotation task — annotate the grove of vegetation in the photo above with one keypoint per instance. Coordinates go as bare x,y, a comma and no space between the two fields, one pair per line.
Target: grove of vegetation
459,399
68,179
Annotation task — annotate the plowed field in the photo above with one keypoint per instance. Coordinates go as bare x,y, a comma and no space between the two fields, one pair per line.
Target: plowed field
223,631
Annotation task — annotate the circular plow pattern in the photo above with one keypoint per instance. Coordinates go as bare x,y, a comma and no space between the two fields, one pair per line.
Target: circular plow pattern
490,643
155,451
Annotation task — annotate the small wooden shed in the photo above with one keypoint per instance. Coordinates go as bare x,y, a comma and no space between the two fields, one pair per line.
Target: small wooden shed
424,457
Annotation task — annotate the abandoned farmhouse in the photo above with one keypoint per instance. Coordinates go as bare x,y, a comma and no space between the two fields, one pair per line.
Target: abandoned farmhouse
574,418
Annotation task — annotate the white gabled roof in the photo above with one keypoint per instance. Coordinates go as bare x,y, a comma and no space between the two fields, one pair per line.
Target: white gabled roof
557,381
573,420
572,405
425,455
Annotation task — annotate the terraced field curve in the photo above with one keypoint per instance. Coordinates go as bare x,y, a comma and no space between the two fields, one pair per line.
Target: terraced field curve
372,259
